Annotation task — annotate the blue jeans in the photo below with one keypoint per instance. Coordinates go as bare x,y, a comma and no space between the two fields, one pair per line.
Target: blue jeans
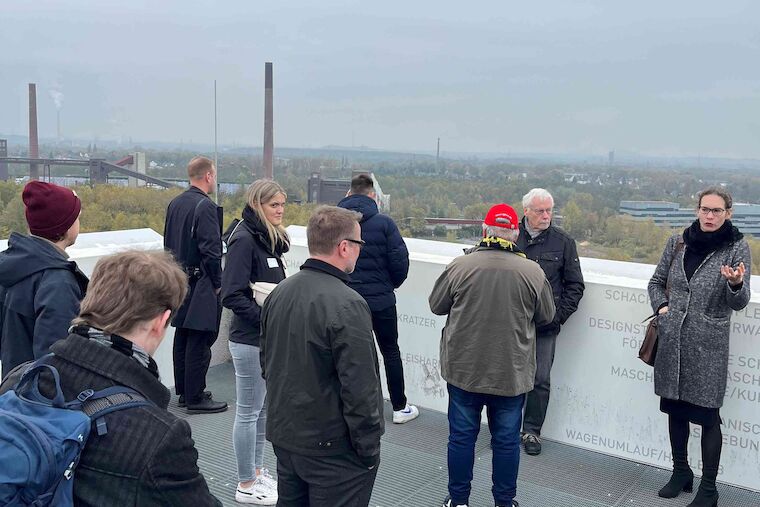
249,430
504,420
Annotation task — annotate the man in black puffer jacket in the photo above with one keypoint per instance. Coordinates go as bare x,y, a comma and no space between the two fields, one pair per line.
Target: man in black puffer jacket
555,252
382,267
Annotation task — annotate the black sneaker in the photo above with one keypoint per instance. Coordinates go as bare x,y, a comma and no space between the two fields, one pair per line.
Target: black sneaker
447,503
532,444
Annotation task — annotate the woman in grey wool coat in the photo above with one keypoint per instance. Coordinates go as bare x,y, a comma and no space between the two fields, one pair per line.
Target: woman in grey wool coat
707,274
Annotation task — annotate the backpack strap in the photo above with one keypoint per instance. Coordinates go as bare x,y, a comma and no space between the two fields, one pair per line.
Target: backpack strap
96,404
31,376
195,212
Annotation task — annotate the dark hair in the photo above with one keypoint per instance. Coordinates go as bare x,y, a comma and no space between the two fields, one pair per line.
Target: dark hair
328,226
362,184
720,192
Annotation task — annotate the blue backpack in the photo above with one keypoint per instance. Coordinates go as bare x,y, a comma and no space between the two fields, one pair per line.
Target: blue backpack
41,439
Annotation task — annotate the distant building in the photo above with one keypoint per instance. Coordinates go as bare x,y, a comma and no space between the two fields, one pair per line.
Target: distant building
669,214
331,191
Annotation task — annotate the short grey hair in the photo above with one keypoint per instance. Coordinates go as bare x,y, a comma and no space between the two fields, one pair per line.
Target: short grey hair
536,193
501,232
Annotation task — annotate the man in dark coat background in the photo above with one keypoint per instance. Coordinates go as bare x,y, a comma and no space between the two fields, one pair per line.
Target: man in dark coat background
147,456
40,288
193,234
383,266
556,253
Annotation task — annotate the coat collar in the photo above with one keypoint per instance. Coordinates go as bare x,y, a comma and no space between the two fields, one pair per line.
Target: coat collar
113,365
196,190
531,240
317,265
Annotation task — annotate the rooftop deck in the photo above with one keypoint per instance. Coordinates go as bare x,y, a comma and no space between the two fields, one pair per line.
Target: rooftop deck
413,466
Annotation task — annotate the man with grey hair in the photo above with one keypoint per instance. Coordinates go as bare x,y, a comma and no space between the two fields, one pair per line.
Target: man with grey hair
494,298
325,405
556,253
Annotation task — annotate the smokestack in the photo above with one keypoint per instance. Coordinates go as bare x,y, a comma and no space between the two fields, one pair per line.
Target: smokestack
268,123
438,151
34,145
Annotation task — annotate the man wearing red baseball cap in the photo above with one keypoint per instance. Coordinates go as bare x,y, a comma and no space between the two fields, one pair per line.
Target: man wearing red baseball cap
40,288
494,298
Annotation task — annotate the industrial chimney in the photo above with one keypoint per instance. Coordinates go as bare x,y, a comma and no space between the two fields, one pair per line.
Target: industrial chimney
34,145
268,123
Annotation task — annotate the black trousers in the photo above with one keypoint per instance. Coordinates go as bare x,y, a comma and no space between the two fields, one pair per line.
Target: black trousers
537,401
322,481
385,325
192,355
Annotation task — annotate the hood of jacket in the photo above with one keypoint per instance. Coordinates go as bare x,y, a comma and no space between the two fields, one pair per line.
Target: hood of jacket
27,255
361,203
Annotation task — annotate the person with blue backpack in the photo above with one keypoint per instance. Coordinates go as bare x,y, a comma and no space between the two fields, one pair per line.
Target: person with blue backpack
87,424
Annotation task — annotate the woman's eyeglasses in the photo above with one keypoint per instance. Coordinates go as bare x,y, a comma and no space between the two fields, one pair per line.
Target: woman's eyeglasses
715,211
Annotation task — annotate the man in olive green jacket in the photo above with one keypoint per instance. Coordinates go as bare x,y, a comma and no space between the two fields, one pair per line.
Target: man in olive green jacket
494,298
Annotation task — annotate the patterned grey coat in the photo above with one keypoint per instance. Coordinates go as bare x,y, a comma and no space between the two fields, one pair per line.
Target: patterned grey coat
692,350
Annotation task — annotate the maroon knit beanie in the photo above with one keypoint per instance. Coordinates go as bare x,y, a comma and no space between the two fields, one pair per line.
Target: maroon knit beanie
50,209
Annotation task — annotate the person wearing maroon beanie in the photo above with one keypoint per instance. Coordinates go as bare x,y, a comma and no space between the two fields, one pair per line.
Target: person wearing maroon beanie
40,288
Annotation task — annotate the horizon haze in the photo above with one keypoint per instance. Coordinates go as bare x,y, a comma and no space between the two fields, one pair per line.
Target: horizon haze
673,79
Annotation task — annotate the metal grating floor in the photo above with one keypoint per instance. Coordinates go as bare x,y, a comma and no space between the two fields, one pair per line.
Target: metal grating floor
413,466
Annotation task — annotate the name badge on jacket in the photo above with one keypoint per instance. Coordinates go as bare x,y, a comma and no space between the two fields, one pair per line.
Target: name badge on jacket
272,262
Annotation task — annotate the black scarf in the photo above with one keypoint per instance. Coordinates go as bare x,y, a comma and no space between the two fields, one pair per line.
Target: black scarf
257,228
700,244
705,242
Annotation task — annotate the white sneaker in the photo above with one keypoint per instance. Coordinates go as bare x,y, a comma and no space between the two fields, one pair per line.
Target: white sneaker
409,413
267,480
258,494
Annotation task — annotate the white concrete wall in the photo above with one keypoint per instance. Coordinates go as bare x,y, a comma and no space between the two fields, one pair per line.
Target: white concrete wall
602,394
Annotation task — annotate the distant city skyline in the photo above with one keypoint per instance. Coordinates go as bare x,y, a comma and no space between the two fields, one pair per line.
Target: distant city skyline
588,77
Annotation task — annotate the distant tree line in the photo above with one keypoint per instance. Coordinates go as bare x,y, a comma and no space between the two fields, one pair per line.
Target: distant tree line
587,205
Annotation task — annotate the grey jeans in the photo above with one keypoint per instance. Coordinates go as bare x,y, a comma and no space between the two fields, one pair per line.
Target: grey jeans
537,401
249,430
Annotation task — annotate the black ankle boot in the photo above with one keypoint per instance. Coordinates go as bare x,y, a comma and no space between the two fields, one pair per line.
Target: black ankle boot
681,480
707,495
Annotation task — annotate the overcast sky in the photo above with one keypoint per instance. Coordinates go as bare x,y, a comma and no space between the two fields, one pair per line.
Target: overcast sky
654,77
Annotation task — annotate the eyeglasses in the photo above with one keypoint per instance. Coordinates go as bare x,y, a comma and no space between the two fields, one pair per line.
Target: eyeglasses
359,242
548,211
715,211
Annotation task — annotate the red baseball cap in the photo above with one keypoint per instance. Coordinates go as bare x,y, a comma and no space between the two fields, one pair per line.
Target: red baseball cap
502,215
